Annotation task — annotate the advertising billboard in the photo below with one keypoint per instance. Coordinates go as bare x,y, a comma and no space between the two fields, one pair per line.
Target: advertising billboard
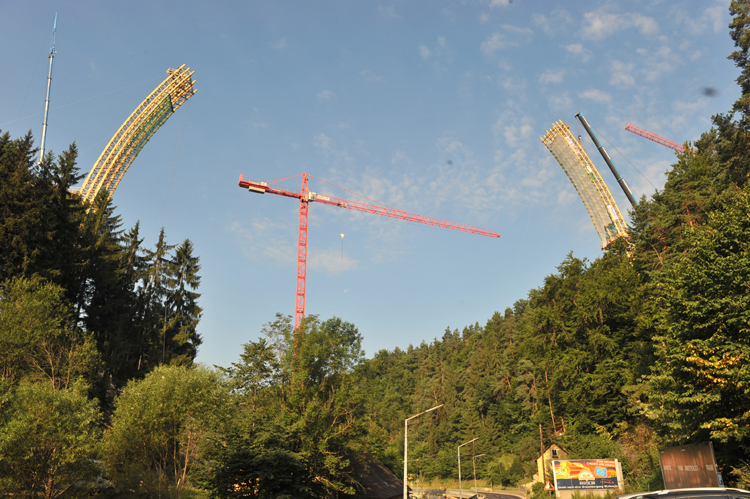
689,466
586,474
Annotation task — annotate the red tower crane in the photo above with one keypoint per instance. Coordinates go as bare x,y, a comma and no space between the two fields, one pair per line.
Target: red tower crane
652,136
306,196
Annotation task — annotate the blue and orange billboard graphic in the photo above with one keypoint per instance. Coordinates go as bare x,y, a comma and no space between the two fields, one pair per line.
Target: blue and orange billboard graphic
586,474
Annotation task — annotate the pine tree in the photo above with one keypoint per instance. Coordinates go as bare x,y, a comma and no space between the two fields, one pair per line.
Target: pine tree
24,236
153,318
182,305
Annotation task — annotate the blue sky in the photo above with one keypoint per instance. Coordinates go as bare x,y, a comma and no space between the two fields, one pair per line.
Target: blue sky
432,107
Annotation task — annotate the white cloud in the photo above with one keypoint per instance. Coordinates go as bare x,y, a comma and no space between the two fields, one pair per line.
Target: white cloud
439,54
515,133
622,74
579,51
389,11
484,17
400,158
499,41
560,103
449,15
330,261
596,96
552,76
657,63
716,15
494,43
264,241
326,145
281,44
557,21
517,32
460,178
541,21
646,25
500,3
521,181
457,178
566,197
326,95
371,77
512,84
323,141
711,18
689,107
600,24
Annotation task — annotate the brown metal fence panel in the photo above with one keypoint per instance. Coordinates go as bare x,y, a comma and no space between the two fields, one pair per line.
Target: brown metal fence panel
689,466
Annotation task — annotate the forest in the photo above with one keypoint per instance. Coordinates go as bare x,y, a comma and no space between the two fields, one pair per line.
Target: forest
646,347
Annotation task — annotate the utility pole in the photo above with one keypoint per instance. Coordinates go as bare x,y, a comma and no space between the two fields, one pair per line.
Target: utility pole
474,468
460,490
406,446
541,446
49,84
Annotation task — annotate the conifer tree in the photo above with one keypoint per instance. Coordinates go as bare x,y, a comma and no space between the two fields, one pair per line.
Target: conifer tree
154,313
24,236
182,305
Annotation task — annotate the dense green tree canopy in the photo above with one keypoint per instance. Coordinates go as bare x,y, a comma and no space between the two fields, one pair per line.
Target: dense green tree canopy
701,380
38,337
161,426
301,419
48,440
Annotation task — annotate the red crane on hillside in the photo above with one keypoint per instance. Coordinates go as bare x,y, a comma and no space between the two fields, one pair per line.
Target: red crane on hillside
306,196
652,136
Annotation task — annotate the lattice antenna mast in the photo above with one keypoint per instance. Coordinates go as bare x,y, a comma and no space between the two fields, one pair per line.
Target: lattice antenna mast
607,160
51,56
305,197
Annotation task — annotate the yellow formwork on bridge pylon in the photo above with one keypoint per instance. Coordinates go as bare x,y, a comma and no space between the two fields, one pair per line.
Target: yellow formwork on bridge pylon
125,145
588,183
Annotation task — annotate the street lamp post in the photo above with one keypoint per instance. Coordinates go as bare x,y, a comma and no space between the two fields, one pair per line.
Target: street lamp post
460,491
474,468
406,440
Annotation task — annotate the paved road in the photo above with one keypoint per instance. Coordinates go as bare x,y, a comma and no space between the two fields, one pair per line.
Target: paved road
438,493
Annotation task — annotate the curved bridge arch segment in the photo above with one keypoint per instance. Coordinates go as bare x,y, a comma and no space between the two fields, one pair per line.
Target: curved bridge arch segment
596,197
125,145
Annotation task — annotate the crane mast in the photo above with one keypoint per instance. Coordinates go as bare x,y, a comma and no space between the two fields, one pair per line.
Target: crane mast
51,56
607,160
306,197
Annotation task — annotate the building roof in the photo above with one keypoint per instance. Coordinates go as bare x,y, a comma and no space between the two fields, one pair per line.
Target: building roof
377,481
